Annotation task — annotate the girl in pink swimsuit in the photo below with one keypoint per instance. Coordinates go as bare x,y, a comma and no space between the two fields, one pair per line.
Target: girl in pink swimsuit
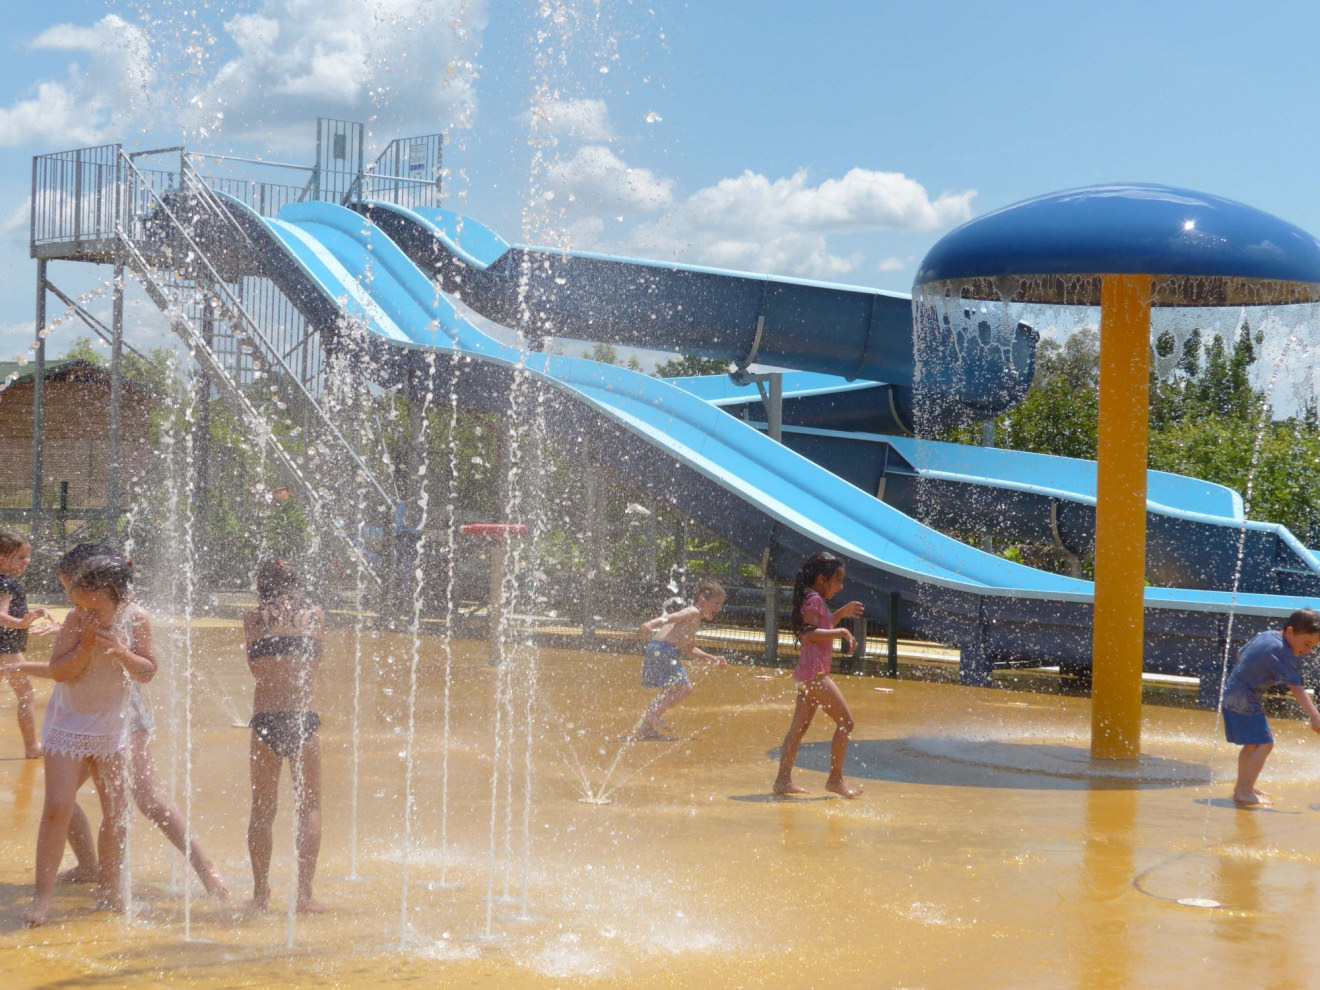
816,628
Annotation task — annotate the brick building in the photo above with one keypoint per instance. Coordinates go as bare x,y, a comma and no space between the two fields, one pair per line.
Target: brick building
77,433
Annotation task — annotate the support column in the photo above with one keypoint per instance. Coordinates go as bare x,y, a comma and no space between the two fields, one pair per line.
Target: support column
39,406
891,637
112,481
1118,633
771,588
591,531
201,480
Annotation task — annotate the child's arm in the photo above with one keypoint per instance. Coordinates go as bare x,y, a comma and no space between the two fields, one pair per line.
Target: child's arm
73,647
33,668
7,621
651,625
849,611
1307,704
140,661
822,635
696,651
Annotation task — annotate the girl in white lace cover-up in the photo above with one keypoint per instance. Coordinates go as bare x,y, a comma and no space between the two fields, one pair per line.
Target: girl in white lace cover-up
104,642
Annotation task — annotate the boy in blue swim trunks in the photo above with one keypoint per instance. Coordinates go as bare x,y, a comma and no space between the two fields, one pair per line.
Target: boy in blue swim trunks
674,633
1267,660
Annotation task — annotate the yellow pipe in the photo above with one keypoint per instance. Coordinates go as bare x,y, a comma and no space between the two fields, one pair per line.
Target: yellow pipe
1120,517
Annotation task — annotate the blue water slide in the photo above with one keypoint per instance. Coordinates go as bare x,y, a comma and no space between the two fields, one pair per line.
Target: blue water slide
1197,534
976,368
730,477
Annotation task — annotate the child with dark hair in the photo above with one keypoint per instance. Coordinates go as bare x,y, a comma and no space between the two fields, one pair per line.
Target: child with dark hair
816,628
16,621
105,643
283,635
147,795
672,633
1266,660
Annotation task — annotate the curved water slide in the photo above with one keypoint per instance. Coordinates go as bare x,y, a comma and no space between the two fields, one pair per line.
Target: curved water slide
1198,535
731,477
840,338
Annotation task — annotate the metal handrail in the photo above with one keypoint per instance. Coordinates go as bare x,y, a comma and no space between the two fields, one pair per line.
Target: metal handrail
199,346
235,308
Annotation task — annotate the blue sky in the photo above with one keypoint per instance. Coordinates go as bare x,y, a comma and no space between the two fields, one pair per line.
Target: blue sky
834,140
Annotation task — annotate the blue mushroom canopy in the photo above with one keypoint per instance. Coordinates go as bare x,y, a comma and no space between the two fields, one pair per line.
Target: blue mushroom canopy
974,359
1129,228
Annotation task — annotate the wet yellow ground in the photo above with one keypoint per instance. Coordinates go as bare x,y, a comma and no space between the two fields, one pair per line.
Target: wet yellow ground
987,851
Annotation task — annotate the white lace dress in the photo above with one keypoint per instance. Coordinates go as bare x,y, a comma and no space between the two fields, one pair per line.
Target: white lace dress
87,717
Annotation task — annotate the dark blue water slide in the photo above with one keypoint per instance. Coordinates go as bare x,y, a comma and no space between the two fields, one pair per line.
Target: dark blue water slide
976,369
1198,535
728,475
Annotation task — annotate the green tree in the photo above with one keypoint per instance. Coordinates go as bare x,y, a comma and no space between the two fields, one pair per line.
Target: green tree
689,365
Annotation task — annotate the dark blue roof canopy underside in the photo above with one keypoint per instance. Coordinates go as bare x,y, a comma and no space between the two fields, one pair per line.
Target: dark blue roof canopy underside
1126,228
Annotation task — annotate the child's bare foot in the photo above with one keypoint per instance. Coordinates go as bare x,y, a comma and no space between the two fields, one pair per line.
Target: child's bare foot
1264,797
1251,801
260,898
656,722
308,905
843,790
647,733
103,901
78,874
36,915
33,752
786,787
214,882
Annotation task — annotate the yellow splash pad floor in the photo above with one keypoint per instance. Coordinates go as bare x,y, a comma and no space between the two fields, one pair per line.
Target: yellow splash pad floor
987,851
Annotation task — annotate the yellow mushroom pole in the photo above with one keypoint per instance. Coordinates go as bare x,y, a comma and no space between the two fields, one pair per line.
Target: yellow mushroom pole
1120,517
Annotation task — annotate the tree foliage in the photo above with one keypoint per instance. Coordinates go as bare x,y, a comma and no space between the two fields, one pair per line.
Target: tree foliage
1206,421
688,365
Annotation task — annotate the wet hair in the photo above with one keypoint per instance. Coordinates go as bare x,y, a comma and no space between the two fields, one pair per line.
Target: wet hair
819,564
706,588
1304,620
73,560
276,579
11,541
113,575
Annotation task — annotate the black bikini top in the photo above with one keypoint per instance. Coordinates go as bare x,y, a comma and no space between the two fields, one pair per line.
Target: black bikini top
296,644
273,646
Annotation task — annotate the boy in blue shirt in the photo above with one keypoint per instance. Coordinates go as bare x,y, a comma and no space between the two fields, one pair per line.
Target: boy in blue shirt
1267,660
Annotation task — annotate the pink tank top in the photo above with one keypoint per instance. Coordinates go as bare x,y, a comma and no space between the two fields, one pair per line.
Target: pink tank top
815,657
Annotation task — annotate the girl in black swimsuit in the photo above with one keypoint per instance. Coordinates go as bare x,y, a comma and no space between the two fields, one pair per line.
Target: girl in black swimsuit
283,636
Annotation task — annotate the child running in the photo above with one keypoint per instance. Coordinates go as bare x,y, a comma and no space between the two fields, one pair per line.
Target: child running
103,644
1268,659
283,635
16,621
816,628
675,632
147,795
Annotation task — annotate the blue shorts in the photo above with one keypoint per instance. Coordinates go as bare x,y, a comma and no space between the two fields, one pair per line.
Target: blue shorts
1247,730
661,666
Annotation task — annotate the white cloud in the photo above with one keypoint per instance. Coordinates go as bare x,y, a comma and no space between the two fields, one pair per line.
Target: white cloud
581,120
405,61
98,94
891,264
783,225
595,181
18,224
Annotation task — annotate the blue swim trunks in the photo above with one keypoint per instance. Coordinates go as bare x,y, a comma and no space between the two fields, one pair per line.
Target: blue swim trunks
1247,730
661,666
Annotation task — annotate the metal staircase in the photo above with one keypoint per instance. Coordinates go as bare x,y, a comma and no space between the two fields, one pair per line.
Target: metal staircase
253,338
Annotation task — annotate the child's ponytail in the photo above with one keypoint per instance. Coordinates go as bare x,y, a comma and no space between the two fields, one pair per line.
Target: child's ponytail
819,564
